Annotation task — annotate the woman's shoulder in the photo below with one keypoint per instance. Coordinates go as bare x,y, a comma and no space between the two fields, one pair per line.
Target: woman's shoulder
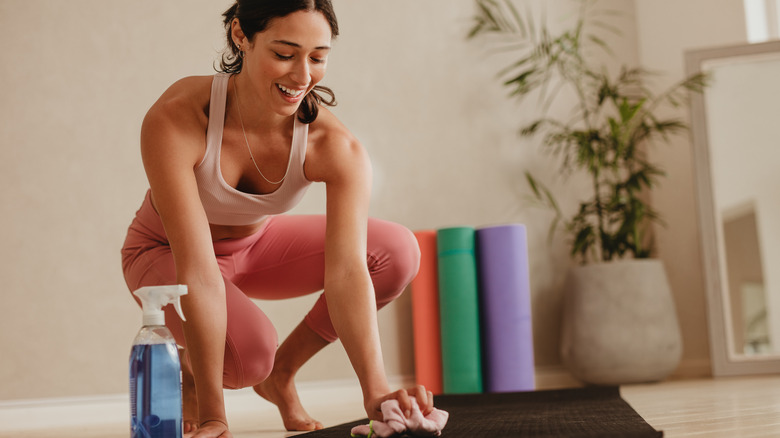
185,101
327,130
333,149
176,123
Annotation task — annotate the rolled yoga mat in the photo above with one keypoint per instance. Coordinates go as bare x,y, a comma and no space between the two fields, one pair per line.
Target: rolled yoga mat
459,311
505,302
425,315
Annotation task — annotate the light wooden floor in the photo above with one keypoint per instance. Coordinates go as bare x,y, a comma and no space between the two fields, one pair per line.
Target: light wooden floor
712,408
725,407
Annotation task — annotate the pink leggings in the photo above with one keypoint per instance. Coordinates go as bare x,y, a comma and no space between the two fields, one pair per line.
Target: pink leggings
284,259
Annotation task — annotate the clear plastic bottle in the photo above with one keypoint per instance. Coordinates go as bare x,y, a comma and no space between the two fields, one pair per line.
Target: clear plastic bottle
155,371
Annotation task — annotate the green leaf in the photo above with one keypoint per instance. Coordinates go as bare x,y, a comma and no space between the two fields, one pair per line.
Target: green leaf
517,18
601,43
522,78
534,186
532,128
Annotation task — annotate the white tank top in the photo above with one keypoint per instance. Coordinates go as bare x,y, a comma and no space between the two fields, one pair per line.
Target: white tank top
225,205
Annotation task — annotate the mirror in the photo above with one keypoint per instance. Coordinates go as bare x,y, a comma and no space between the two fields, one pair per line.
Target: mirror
737,168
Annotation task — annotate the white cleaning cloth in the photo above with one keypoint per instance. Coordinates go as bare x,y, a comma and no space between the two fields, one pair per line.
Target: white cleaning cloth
395,423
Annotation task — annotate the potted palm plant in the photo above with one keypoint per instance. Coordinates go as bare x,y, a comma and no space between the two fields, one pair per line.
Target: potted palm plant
619,322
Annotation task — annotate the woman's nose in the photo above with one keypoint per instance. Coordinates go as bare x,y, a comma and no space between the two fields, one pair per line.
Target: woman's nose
301,72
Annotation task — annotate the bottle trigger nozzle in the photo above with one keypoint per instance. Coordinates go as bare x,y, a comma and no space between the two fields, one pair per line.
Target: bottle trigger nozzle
177,306
154,298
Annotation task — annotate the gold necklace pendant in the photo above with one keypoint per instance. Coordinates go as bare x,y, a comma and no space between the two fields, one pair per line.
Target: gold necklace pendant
246,140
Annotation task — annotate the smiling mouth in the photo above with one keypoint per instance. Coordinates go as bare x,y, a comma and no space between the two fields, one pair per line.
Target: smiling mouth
289,92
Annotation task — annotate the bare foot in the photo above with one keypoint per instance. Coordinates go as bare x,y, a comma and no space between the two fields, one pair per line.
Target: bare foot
189,396
281,392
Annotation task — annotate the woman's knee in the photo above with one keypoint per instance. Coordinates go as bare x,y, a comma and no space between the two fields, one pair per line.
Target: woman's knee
394,258
248,361
250,342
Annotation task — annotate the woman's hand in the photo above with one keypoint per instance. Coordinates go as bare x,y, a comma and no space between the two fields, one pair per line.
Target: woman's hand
424,401
210,429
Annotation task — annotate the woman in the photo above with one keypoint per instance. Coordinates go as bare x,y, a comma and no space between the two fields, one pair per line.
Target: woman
224,156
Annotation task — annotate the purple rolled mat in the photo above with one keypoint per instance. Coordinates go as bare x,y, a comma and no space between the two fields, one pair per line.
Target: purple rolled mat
505,300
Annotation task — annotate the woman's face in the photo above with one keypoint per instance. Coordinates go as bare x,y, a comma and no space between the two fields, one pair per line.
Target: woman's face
284,62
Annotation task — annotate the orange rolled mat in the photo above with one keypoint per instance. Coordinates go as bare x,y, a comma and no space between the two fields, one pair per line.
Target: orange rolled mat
425,315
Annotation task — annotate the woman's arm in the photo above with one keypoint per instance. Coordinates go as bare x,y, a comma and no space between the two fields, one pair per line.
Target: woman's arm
171,135
342,163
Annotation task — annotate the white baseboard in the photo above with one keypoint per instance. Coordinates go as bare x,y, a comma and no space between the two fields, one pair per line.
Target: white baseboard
28,415
693,369
54,413
555,377
19,415
71,412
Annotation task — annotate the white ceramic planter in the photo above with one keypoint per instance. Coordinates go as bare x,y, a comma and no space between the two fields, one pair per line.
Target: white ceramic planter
619,323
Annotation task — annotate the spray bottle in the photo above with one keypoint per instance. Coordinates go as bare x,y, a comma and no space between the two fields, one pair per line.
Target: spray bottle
155,371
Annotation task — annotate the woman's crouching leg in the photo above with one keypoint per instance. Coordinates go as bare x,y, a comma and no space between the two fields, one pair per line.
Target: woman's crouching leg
393,258
251,342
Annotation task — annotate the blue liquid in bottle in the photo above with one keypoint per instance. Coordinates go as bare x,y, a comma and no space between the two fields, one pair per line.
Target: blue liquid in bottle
155,390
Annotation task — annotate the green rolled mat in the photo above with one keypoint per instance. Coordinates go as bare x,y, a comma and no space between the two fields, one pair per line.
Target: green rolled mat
459,311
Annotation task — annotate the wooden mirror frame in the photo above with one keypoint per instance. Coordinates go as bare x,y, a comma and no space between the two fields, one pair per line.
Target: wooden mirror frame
723,362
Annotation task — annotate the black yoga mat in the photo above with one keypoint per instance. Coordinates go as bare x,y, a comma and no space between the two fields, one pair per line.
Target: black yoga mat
580,412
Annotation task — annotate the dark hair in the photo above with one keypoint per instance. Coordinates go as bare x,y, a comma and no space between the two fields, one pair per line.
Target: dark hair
254,16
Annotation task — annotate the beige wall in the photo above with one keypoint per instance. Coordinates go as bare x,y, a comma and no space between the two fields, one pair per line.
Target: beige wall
77,77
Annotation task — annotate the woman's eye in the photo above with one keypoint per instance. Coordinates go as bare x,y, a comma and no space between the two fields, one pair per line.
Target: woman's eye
283,57
318,60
